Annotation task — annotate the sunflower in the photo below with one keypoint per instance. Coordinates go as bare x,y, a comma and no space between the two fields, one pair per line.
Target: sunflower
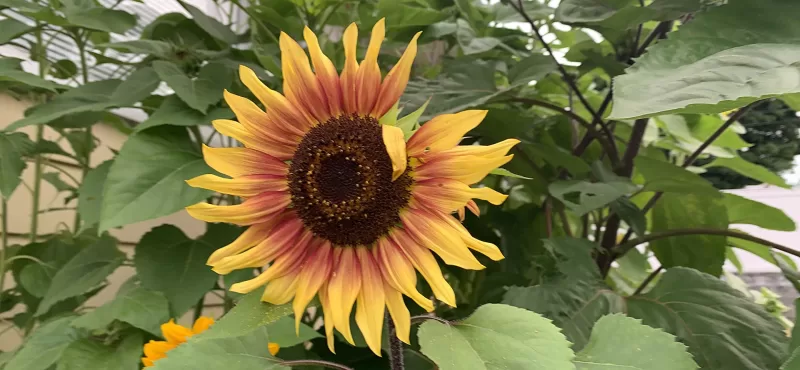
176,335
339,204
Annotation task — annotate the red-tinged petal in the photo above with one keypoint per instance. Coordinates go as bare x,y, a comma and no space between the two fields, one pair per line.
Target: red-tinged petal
426,264
327,316
396,80
436,236
244,186
254,210
467,169
253,235
280,111
371,301
348,77
398,271
280,290
280,150
236,162
326,73
299,83
280,240
488,151
257,121
313,274
399,313
368,77
443,132
286,262
448,195
488,249
343,289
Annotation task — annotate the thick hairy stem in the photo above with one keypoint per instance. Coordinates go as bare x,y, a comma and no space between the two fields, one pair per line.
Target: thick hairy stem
395,347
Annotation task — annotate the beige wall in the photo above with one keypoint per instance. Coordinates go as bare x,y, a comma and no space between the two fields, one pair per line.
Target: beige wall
20,204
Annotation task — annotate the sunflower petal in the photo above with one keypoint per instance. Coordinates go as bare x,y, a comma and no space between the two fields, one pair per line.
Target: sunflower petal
244,186
396,80
396,147
282,112
448,195
468,169
426,264
252,211
202,324
398,271
264,144
343,289
313,275
236,162
157,349
368,77
489,151
299,83
280,240
488,249
327,316
371,301
273,348
280,290
399,313
348,77
174,333
256,120
436,236
253,235
326,73
443,132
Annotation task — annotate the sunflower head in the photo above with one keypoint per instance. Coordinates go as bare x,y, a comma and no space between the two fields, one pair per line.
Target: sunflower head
338,204
175,335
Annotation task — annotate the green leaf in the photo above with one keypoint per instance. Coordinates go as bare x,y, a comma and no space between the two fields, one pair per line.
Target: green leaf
586,11
793,363
703,252
140,307
507,173
470,43
631,214
282,332
87,15
211,25
168,261
558,157
173,111
11,28
496,337
202,92
750,169
88,354
21,5
722,328
244,352
789,272
43,348
63,69
583,197
410,122
136,87
248,315
726,56
151,47
762,251
530,69
409,13
746,211
147,179
667,177
622,342
10,70
54,179
462,85
13,146
90,195
88,269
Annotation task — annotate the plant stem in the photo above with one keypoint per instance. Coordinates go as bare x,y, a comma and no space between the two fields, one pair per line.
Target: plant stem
327,364
197,137
4,209
431,316
37,187
648,280
395,347
623,248
86,157
198,309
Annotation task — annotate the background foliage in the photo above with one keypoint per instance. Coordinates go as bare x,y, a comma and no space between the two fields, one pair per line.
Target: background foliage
624,147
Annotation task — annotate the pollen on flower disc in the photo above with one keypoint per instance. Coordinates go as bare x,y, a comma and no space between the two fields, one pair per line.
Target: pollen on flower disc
341,183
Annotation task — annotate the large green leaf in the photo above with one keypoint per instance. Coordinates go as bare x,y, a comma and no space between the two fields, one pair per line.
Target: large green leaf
43,348
248,315
168,261
409,13
245,352
496,337
282,333
703,252
88,354
620,342
88,269
152,47
722,328
201,92
211,25
173,111
147,179
723,59
766,253
750,170
13,146
87,14
583,197
140,307
746,211
793,363
10,70
11,28
667,177
136,87
90,195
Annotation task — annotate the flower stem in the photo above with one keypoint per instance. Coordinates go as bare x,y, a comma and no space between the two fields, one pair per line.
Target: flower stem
395,347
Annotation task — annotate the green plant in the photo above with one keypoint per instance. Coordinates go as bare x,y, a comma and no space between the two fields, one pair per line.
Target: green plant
611,129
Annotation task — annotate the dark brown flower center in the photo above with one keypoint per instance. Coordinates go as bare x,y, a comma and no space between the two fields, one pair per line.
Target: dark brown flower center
341,183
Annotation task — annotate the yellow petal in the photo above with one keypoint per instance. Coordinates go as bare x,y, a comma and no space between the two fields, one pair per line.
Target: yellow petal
426,264
280,150
202,324
174,333
348,77
313,274
280,240
299,83
236,162
244,186
398,271
280,290
157,349
443,132
448,195
343,289
488,249
327,316
368,77
283,113
436,236
371,301
399,313
491,151
396,80
274,348
396,147
465,168
257,121
326,73
254,210
250,237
